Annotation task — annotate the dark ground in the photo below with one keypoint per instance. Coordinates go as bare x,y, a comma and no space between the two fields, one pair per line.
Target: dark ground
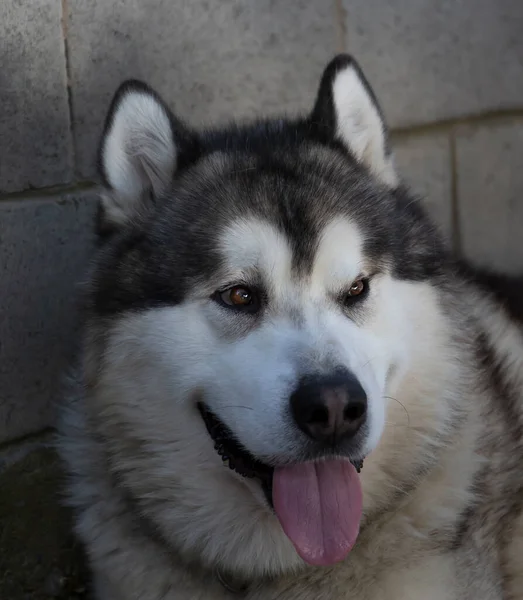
39,558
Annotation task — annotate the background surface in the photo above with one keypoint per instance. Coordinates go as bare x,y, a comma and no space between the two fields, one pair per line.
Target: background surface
449,75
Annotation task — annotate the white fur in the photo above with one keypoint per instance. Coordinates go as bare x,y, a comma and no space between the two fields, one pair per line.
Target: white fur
252,244
263,368
360,126
138,153
134,430
339,258
158,363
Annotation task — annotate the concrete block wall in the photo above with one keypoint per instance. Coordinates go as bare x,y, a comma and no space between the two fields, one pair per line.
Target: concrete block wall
449,75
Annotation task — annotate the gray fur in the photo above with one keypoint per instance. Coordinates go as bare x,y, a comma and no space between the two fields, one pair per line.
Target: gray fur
159,514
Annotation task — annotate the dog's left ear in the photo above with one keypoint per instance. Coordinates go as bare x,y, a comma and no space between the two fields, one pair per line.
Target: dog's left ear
346,110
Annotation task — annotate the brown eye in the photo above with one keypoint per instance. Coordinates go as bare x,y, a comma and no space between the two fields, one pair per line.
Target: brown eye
357,288
238,297
357,292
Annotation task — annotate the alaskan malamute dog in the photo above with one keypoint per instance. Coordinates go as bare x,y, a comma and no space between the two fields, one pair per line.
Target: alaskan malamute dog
289,388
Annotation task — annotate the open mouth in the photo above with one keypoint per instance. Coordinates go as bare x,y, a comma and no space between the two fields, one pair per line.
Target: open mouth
318,503
237,458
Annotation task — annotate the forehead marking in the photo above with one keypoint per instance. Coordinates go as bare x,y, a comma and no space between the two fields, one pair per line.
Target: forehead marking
339,256
253,244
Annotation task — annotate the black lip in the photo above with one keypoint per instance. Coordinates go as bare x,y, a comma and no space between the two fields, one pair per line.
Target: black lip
237,457
233,454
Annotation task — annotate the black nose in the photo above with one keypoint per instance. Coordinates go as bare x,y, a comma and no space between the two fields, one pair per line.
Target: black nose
329,408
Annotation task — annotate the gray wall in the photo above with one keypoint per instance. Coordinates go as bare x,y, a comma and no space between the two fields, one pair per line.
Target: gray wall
449,74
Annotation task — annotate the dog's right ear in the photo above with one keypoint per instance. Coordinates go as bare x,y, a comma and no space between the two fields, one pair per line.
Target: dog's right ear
139,152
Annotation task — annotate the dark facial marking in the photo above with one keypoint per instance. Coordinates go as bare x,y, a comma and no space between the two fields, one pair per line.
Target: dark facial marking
280,172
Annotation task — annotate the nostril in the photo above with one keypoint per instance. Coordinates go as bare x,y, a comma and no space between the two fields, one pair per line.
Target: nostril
319,415
354,411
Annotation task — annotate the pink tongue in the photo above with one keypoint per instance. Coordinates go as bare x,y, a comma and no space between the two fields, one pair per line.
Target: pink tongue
319,506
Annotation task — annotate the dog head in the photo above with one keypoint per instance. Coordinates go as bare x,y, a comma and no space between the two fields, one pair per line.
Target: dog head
259,296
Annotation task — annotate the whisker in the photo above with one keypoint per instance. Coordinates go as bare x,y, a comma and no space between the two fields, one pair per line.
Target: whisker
402,406
370,360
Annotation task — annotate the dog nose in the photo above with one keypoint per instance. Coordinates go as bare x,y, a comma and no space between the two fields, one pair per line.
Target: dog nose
329,408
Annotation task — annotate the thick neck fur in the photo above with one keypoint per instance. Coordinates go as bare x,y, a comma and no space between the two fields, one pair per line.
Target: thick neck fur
417,484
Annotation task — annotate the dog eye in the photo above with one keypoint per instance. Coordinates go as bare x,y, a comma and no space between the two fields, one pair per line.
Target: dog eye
357,290
238,297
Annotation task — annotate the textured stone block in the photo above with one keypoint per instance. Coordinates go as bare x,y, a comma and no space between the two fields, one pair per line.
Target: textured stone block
210,60
490,192
35,146
44,249
437,60
424,163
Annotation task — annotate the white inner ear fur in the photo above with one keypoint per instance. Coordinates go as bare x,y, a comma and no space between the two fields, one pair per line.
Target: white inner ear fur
138,152
360,126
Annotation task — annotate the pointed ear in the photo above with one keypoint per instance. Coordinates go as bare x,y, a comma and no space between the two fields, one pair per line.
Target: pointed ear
138,153
347,110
